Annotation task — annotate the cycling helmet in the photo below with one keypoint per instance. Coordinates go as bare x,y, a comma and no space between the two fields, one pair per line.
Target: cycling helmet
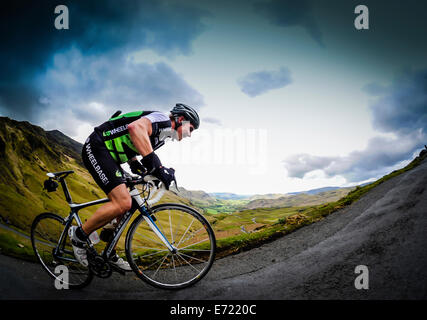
189,114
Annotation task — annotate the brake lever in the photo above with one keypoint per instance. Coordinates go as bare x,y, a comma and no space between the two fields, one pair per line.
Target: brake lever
176,188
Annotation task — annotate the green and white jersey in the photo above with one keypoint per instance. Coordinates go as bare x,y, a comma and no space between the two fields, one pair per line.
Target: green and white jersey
115,133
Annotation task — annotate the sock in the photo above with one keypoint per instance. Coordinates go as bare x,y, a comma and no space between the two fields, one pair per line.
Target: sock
113,256
81,235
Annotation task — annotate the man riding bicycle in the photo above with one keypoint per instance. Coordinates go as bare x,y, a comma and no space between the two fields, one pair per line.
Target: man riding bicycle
119,140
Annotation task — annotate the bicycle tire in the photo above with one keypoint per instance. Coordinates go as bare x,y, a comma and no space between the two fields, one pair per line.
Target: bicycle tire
182,213
44,240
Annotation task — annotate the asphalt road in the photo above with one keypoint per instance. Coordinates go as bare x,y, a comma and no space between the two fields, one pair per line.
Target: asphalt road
386,231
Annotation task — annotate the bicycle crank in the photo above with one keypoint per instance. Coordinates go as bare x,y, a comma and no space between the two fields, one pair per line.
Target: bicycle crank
98,265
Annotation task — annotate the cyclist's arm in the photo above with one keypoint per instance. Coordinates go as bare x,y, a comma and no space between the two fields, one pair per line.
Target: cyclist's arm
139,132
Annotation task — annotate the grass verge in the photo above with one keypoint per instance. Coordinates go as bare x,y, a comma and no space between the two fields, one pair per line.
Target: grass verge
14,245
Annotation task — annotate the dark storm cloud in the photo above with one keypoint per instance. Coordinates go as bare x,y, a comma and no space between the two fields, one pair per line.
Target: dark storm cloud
97,28
403,107
290,13
257,83
400,109
91,88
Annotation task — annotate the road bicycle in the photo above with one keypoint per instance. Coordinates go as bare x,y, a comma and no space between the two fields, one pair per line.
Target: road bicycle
169,246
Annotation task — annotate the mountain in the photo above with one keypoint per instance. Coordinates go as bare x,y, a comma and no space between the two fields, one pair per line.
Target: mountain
300,199
315,191
27,153
276,200
267,196
71,147
229,196
197,196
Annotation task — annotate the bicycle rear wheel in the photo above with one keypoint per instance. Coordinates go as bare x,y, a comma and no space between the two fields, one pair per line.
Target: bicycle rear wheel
188,231
46,232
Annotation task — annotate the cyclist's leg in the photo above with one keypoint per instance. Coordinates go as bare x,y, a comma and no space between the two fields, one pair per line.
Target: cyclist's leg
121,202
107,174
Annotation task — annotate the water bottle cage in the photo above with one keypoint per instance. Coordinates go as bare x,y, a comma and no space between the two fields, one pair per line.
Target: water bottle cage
106,235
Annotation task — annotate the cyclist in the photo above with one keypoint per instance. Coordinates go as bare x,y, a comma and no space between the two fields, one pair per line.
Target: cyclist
119,140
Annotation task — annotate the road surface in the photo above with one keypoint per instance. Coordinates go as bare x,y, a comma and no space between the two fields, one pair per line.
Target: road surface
386,231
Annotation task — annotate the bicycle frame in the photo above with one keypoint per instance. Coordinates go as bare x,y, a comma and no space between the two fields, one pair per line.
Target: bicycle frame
137,204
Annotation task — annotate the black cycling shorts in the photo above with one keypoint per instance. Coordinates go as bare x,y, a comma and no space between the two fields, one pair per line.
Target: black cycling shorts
98,161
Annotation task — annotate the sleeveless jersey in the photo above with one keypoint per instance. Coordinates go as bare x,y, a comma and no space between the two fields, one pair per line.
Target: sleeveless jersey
115,133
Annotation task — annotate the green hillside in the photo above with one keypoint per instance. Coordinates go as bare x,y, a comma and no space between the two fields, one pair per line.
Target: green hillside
27,153
301,199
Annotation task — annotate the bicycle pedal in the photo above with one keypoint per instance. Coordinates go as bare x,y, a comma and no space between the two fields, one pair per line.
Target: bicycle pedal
117,269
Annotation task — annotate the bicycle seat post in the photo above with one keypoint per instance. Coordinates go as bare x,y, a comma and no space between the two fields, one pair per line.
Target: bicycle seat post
65,189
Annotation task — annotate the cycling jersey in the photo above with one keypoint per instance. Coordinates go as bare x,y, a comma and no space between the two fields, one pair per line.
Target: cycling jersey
116,137
110,145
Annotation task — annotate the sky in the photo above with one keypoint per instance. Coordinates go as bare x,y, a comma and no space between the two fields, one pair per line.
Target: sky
291,95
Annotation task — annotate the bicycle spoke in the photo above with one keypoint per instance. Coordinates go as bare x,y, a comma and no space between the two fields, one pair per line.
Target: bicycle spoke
150,239
203,261
156,261
170,225
176,275
151,248
154,275
192,234
177,269
178,227
187,262
185,232
152,254
193,244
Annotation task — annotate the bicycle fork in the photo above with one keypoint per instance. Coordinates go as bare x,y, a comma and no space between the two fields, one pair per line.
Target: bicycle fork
147,217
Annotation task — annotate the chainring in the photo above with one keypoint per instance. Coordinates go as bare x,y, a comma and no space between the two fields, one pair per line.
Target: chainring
99,266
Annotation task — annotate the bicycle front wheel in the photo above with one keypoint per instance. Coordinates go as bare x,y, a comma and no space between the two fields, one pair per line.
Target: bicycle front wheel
187,231
52,247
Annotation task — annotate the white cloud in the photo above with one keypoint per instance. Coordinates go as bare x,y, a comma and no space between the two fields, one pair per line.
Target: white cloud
400,110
